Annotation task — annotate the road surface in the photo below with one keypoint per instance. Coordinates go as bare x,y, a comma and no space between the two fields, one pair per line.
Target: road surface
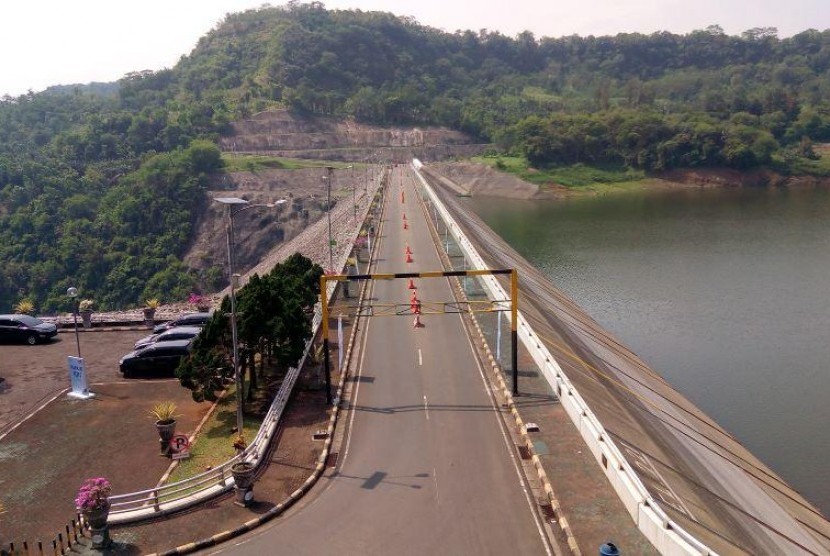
426,466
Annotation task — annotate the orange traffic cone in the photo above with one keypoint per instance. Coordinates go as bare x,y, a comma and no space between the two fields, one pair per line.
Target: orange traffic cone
404,216
417,323
402,196
409,258
405,225
408,251
411,285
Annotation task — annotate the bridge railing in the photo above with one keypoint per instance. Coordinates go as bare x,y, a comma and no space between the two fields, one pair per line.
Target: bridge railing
180,495
665,534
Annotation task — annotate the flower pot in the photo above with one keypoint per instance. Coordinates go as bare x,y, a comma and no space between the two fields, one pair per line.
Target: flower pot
243,478
97,517
166,430
243,474
149,316
86,317
97,520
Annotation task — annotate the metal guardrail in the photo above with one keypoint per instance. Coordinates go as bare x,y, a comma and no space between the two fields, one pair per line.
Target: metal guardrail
665,534
165,499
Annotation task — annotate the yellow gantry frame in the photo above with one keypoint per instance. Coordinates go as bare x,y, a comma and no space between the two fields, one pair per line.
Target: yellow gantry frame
514,310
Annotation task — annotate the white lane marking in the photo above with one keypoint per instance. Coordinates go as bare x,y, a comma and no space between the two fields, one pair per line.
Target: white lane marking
435,480
507,444
426,407
420,358
364,341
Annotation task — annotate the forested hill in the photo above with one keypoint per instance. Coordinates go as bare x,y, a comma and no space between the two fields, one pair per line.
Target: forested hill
100,185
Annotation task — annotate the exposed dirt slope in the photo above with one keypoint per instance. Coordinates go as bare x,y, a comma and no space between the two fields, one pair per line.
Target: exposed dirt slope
282,133
257,230
278,132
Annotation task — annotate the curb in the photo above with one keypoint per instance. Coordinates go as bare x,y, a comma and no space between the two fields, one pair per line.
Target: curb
129,328
307,484
507,396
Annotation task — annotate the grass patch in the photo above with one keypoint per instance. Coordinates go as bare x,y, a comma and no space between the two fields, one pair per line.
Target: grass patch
256,163
214,443
798,166
573,176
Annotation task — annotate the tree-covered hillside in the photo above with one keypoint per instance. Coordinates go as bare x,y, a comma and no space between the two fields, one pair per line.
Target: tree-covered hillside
99,186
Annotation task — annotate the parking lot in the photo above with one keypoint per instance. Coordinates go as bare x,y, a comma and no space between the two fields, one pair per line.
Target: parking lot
34,374
46,458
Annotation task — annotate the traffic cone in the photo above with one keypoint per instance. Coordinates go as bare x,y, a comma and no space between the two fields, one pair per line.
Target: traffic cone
411,285
404,216
402,196
405,225
409,258
408,250
413,300
417,323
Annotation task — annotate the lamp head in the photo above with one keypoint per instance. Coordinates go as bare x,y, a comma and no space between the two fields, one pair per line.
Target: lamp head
230,200
72,292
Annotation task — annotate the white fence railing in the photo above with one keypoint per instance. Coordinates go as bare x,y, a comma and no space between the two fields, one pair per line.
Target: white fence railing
666,535
173,497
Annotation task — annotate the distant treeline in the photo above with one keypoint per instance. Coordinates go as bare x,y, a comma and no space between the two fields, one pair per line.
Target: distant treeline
100,185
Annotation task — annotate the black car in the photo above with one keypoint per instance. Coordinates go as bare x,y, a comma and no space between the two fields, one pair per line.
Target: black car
23,328
188,319
177,333
158,357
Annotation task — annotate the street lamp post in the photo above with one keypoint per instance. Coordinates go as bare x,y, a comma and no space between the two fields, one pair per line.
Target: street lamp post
73,293
244,205
329,172
354,194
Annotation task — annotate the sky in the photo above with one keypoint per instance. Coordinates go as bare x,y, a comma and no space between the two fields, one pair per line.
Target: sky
58,42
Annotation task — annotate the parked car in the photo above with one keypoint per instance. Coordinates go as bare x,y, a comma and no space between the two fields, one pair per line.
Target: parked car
157,357
24,328
177,333
188,319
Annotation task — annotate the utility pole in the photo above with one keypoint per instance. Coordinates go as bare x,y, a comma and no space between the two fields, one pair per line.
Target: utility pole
330,171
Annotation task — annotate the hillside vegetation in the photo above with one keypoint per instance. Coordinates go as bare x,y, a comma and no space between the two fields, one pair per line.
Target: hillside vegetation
100,186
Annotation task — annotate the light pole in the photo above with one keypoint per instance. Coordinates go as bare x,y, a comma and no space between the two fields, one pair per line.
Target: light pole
73,294
327,177
354,194
244,205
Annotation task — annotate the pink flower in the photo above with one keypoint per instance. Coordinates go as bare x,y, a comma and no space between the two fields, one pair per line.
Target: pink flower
93,494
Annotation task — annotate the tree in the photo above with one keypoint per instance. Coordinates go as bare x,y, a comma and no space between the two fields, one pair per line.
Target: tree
273,312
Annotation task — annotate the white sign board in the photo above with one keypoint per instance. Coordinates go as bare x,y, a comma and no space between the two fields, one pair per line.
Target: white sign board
77,378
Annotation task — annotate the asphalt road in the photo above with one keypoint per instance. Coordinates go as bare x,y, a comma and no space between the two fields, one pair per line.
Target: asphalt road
426,467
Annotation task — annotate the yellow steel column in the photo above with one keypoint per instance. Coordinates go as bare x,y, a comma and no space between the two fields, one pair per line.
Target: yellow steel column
324,304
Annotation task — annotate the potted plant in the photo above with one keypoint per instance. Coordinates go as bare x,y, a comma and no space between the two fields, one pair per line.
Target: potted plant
243,475
165,415
150,307
199,301
85,308
25,307
93,502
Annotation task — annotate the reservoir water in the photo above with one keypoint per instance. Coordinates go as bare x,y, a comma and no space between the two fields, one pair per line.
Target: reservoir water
725,292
